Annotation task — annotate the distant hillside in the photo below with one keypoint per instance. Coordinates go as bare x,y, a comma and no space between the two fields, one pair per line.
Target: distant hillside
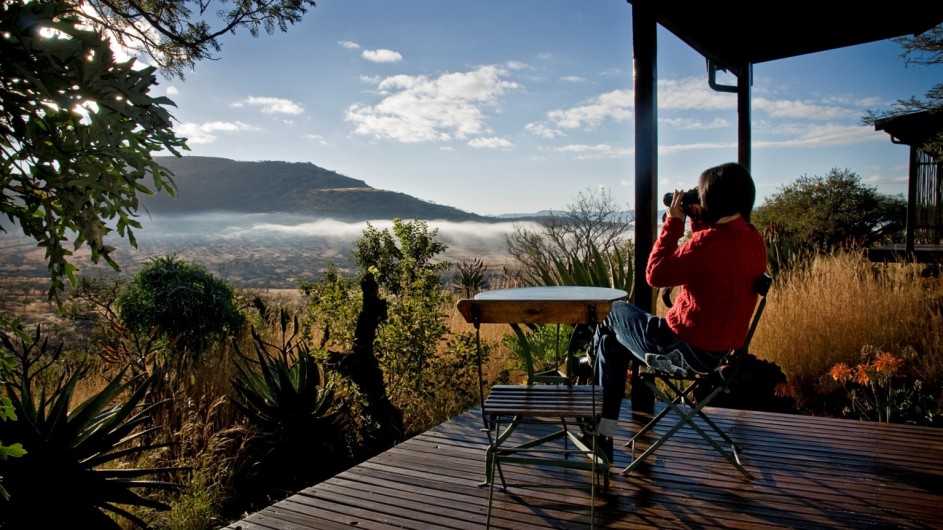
213,184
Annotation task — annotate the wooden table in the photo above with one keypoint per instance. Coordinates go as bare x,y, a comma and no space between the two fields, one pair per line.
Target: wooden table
540,305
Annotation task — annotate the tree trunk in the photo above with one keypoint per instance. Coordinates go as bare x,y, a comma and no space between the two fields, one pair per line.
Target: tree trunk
360,365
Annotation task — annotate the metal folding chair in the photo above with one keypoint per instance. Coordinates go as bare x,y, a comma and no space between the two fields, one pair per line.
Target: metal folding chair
682,386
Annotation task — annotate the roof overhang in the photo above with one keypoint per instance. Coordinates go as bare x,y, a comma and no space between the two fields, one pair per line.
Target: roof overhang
913,129
733,33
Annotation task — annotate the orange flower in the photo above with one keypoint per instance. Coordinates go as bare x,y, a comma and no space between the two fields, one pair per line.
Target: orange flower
861,375
887,363
841,372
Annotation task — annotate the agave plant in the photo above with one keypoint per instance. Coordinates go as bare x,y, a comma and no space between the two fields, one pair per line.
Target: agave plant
73,472
285,393
470,277
610,269
284,396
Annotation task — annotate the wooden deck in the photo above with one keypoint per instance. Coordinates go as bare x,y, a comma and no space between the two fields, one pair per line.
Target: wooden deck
809,473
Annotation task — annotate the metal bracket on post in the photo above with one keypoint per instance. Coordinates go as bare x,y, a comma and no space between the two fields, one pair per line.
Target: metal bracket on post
713,68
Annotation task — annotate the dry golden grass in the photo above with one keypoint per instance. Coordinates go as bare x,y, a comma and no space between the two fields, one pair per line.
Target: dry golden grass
826,312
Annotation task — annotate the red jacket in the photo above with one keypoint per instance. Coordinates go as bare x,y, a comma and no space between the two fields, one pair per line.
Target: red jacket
716,269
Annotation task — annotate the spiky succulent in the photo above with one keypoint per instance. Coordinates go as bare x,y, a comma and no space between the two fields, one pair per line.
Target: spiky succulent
75,470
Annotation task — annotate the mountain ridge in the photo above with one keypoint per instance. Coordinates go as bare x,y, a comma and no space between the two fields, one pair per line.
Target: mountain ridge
221,184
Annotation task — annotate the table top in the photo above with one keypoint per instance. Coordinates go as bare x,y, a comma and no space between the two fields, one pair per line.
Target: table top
554,292
541,305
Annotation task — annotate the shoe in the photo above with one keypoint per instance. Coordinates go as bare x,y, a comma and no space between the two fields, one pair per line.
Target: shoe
603,444
671,363
583,371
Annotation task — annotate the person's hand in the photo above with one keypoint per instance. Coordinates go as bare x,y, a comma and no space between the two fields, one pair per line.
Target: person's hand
676,210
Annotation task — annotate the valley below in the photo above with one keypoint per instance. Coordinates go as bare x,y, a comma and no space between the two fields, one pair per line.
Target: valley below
253,250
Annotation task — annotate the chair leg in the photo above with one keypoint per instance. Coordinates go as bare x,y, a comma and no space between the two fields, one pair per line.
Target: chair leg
492,454
686,417
592,485
493,464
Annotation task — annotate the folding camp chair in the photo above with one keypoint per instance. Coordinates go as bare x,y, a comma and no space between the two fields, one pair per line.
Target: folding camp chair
682,385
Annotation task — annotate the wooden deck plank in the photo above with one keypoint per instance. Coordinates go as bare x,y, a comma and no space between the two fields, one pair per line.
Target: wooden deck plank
810,473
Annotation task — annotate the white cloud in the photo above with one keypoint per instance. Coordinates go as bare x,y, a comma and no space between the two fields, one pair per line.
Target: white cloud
542,130
696,146
573,79
822,136
795,109
317,138
205,133
615,105
855,101
270,105
692,93
172,91
348,45
517,65
490,143
585,152
691,124
382,56
422,109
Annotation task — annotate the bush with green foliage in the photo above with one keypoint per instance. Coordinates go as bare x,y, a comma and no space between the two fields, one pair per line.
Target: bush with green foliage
823,213
409,327
450,385
182,301
402,261
71,450
547,343
333,303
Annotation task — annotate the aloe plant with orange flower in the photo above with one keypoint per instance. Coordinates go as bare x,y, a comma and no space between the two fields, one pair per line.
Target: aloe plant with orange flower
882,387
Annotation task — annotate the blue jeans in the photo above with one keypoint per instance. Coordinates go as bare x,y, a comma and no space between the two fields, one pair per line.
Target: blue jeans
629,332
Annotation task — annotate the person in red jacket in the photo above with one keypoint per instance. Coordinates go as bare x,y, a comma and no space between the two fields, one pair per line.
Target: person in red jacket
716,269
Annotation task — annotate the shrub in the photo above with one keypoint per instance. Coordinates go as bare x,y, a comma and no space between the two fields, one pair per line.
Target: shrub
182,301
547,343
450,388
824,213
73,452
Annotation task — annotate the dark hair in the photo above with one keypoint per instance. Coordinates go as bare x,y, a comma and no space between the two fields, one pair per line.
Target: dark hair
725,190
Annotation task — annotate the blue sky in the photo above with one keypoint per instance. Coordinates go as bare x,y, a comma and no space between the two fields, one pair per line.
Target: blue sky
518,106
